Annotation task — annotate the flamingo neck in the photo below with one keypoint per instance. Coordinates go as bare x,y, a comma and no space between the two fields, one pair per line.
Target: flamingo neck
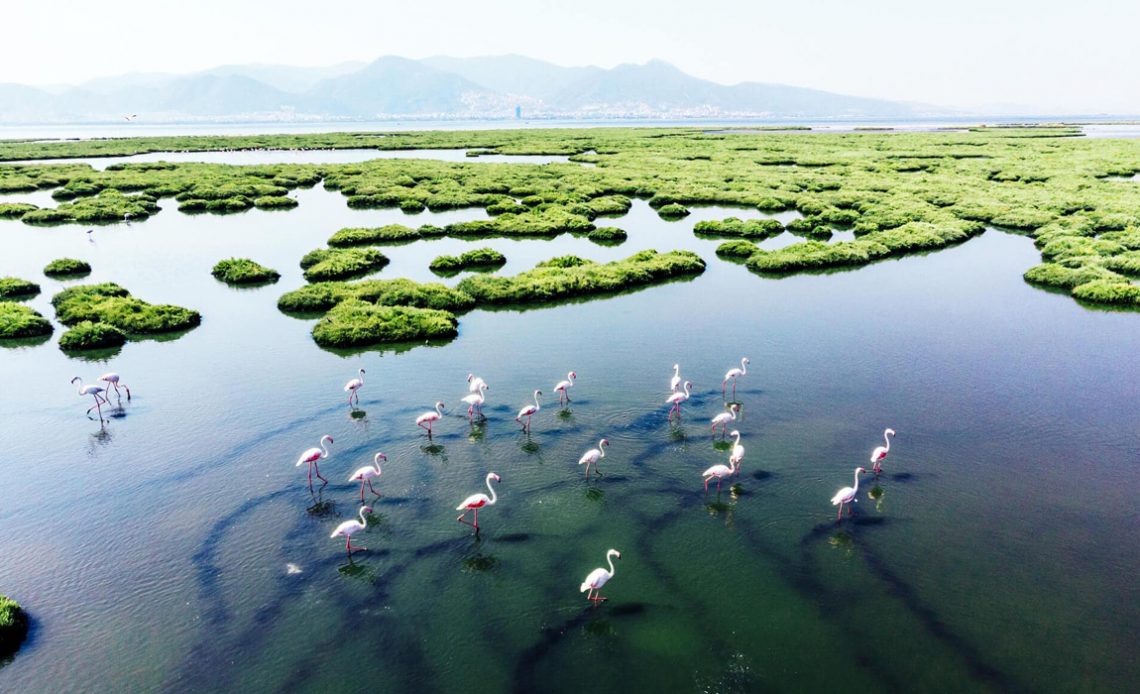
610,561
324,448
492,490
376,462
361,377
536,405
737,439
439,409
731,465
887,439
687,390
743,367
602,448
856,482
362,519
676,370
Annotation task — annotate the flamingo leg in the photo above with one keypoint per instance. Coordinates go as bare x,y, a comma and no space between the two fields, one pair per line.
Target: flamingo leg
476,518
369,489
707,480
362,492
317,469
840,514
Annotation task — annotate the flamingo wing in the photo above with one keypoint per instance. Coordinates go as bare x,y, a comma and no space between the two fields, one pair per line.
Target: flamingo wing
473,501
595,580
716,471
878,454
309,456
347,528
843,496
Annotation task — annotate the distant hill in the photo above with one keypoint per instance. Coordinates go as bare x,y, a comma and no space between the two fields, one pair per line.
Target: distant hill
437,87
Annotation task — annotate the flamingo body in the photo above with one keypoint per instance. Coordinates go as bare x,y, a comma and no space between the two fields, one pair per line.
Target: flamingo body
677,398
733,374
112,380
847,495
592,456
350,527
475,401
474,383
719,472
722,419
366,474
598,578
478,501
353,386
430,417
563,387
529,411
880,454
312,456
675,382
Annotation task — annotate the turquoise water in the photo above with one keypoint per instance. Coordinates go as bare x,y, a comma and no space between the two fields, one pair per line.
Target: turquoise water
178,548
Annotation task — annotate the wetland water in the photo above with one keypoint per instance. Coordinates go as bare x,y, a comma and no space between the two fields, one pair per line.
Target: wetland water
178,548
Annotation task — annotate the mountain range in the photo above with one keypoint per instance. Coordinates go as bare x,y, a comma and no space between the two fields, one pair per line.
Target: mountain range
437,87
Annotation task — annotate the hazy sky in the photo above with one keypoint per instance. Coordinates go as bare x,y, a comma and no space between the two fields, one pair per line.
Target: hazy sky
1071,57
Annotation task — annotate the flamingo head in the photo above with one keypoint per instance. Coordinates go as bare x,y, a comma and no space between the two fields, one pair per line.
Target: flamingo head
735,407
573,375
379,457
366,509
493,476
689,384
440,406
617,554
604,442
326,436
537,393
859,470
889,432
734,433
469,377
676,367
76,379
362,372
746,360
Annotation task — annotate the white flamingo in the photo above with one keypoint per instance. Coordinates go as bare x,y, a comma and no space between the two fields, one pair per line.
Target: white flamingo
478,501
563,387
474,383
722,419
675,382
312,456
847,495
592,456
598,578
677,398
366,474
112,380
880,454
93,391
430,417
529,412
719,472
350,528
475,401
353,386
737,451
734,374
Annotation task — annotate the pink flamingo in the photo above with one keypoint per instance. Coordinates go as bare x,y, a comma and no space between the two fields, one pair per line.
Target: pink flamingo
475,401
474,383
737,456
675,382
734,374
563,387
529,412
847,495
880,454
313,455
366,474
722,419
112,380
353,386
350,528
429,418
478,501
598,578
592,456
719,472
93,391
677,398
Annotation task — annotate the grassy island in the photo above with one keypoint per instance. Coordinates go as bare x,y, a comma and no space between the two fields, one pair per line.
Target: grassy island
243,271
355,323
67,267
19,321
373,236
13,625
322,296
607,236
91,335
480,258
110,304
749,229
326,264
18,289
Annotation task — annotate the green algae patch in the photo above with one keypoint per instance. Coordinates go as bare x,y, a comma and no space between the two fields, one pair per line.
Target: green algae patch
67,267
549,283
15,210
18,289
355,323
243,271
480,258
19,321
322,296
749,229
111,304
607,236
91,335
13,625
326,264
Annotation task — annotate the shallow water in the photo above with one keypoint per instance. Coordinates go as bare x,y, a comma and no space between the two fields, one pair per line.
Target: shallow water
177,547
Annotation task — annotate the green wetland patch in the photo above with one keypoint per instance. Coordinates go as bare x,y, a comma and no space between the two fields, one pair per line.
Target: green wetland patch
91,308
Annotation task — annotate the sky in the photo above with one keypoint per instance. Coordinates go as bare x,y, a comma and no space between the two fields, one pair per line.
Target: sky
1077,58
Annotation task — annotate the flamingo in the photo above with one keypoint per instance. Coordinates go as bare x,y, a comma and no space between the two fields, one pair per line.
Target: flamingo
563,387
847,495
478,501
93,391
430,417
675,382
880,453
354,385
719,472
737,451
350,528
112,380
598,578
592,456
474,383
367,473
311,457
475,401
529,412
722,419
734,374
677,398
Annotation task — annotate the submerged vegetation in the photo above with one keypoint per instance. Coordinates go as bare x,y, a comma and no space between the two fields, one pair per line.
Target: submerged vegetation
484,258
19,321
65,267
16,288
243,271
111,305
13,625
898,192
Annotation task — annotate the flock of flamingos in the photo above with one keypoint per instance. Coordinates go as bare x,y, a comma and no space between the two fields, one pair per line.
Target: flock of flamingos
477,388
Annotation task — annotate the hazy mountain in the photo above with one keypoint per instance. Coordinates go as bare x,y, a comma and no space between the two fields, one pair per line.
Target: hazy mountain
438,87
